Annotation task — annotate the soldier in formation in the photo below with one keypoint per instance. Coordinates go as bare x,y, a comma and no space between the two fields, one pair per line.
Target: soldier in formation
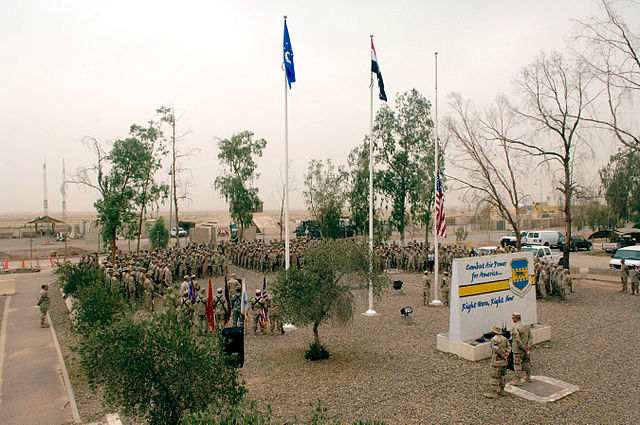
257,303
426,288
634,276
236,305
624,275
220,309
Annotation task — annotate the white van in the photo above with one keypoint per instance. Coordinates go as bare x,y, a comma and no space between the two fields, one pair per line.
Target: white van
543,237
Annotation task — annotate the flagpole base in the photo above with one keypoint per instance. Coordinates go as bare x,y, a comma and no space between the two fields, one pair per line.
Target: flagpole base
289,326
436,303
370,312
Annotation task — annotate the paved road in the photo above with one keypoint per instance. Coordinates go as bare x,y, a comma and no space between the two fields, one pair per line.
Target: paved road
32,390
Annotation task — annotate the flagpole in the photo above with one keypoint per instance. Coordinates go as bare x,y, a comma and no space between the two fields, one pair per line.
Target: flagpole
370,311
436,301
286,171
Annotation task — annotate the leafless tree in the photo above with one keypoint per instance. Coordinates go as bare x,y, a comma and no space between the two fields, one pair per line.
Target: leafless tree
555,100
489,162
281,198
611,50
180,184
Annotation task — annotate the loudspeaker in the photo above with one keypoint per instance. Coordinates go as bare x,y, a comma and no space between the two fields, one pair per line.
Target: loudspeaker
233,340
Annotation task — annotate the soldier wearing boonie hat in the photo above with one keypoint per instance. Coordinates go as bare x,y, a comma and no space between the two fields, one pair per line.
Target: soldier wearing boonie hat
499,354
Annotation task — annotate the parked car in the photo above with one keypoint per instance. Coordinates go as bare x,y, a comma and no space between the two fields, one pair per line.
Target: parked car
617,243
544,253
510,239
631,255
577,243
548,238
486,250
181,232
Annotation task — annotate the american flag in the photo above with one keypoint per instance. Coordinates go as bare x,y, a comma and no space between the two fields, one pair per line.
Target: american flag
441,223
263,317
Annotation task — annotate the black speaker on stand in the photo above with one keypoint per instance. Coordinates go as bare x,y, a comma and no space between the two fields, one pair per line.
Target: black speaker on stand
233,340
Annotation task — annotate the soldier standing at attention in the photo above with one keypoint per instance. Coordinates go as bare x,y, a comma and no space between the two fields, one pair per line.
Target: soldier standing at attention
426,288
499,354
43,303
635,279
624,275
220,310
257,303
445,288
236,304
522,341
566,286
201,309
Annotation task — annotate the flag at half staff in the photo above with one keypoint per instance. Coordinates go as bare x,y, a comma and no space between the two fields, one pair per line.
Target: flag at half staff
441,222
375,68
287,55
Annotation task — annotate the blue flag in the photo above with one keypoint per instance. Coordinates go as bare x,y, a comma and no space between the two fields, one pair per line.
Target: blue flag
287,54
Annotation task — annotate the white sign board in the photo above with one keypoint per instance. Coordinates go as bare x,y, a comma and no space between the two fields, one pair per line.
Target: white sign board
487,290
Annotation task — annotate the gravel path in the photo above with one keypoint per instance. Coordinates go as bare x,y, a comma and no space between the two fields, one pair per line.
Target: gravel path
382,369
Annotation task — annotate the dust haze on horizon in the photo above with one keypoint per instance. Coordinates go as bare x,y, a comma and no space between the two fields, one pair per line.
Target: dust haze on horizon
72,69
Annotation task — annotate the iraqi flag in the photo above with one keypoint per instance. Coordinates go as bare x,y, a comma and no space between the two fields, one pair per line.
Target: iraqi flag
375,68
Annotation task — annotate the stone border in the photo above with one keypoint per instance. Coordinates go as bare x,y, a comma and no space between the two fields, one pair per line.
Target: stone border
557,395
65,375
3,336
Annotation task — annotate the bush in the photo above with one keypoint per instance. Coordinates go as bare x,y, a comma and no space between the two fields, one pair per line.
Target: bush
158,369
97,305
159,235
71,276
316,352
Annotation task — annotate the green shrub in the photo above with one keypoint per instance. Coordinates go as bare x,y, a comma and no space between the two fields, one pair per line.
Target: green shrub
158,369
97,305
159,235
71,276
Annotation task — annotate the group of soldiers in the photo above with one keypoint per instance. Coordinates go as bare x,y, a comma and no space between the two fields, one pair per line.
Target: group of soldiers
520,346
227,308
427,281
555,280
629,273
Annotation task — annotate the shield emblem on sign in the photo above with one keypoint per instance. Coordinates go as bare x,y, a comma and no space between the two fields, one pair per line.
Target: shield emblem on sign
520,281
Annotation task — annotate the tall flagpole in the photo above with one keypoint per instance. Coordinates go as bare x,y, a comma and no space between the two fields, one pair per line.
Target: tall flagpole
436,301
287,259
371,311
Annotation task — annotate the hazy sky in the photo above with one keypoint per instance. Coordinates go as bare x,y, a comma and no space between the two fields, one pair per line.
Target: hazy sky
70,69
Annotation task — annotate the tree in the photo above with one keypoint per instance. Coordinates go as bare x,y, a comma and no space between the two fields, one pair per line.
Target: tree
621,183
238,155
490,164
320,289
612,52
159,235
555,98
405,149
115,176
149,192
159,368
358,191
325,195
179,183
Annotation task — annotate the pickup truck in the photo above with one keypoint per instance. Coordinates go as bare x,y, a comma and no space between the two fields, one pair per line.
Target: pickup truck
544,253
617,243
510,239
